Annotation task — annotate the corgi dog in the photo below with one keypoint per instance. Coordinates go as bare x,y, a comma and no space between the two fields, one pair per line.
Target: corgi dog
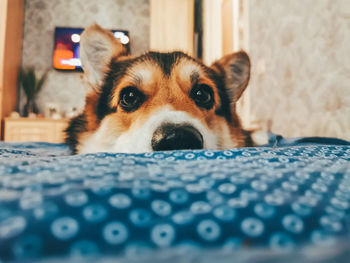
156,101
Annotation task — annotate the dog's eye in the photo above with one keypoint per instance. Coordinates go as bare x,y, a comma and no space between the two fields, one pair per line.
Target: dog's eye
203,96
131,99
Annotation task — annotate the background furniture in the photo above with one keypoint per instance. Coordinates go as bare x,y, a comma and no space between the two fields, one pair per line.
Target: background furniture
34,130
11,27
172,25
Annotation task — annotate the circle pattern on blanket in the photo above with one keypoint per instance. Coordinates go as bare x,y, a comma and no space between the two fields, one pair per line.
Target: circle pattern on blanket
163,235
120,201
95,213
208,230
252,227
64,228
131,204
115,233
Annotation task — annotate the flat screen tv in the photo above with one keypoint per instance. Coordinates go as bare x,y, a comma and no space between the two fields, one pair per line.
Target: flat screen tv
66,49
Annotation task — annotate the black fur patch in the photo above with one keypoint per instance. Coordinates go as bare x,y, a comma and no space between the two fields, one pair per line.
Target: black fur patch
76,126
117,71
225,104
248,141
166,61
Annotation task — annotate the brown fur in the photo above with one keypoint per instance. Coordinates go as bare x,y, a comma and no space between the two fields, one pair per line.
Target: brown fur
163,85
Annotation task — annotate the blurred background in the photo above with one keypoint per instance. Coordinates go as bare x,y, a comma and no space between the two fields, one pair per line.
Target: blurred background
300,52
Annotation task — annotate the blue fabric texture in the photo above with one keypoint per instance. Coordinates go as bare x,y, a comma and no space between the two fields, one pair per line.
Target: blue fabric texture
292,196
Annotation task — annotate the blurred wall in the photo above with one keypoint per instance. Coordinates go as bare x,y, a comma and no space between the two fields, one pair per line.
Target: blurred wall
301,66
42,16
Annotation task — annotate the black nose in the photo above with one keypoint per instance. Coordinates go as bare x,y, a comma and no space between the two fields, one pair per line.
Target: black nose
176,137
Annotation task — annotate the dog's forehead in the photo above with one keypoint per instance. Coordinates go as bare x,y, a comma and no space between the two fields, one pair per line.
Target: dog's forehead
156,66
188,70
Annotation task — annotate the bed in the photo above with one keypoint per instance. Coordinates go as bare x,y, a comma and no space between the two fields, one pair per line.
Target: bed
288,201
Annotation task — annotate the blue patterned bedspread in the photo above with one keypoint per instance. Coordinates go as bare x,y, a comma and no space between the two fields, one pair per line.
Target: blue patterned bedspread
278,203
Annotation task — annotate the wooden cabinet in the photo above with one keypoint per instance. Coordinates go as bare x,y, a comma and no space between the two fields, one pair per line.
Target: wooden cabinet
34,130
11,23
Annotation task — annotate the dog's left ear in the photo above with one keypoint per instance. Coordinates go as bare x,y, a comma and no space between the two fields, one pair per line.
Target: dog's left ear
235,70
97,47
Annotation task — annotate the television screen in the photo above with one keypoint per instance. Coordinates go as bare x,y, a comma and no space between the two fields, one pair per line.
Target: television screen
66,50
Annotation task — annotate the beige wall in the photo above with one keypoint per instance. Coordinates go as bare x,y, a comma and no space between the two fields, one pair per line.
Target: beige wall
301,66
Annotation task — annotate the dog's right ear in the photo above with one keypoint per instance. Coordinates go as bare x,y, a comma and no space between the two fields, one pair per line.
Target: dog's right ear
97,47
235,70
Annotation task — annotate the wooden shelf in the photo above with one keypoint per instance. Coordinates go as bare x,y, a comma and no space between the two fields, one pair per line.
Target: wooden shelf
34,130
11,26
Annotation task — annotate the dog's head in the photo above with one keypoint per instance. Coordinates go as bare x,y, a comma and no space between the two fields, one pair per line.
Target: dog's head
158,101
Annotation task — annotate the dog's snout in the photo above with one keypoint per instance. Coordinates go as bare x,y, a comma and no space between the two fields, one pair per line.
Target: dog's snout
176,137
